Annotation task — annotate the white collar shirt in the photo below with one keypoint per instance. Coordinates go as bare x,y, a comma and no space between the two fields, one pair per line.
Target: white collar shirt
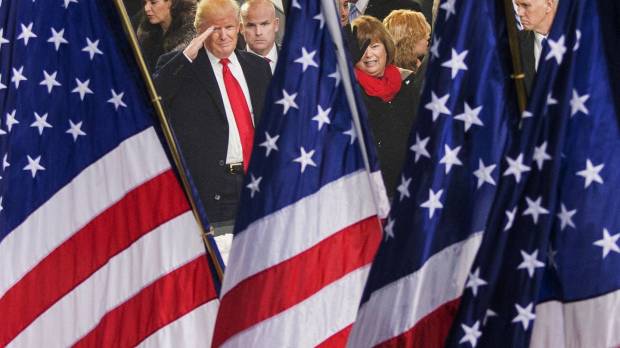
272,55
538,41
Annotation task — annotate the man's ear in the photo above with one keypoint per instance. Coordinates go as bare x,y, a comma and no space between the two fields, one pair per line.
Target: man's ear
277,23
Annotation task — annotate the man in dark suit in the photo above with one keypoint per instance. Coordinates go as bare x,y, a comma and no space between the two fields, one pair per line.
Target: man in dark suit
380,8
213,96
259,26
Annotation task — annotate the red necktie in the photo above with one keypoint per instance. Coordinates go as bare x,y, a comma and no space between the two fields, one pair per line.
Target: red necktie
240,111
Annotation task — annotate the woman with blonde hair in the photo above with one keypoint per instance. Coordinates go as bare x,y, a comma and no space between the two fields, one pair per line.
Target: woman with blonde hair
411,33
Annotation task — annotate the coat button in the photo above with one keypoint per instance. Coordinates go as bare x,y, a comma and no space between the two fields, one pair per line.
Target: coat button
217,197
221,163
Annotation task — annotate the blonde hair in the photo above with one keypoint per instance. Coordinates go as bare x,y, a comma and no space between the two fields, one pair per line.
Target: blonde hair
208,8
407,28
245,8
370,28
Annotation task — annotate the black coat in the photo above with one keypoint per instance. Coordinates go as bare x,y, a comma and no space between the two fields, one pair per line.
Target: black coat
195,109
381,8
390,124
528,61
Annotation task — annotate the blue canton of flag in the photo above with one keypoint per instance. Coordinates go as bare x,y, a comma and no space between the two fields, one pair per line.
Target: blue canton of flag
307,227
448,184
94,227
551,271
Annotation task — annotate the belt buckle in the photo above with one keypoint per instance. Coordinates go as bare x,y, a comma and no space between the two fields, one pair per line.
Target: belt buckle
235,168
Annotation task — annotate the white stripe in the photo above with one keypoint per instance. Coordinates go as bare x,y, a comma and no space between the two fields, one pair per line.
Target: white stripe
398,306
312,321
299,226
103,183
590,323
157,253
194,329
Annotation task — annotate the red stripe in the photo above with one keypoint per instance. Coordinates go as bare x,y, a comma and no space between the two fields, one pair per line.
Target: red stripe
339,339
280,287
431,331
139,212
167,299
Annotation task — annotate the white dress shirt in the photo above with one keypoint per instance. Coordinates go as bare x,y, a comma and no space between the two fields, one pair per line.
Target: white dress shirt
272,55
538,40
234,154
361,6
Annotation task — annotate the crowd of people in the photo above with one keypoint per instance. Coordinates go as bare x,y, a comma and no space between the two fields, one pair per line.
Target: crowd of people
212,61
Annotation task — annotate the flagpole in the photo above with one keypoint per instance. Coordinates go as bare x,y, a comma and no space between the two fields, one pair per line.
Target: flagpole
518,75
159,110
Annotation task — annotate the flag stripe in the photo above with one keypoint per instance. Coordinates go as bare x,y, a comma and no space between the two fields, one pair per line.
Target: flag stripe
344,252
152,308
429,288
430,331
162,250
590,323
141,156
194,329
310,322
339,339
288,228
58,273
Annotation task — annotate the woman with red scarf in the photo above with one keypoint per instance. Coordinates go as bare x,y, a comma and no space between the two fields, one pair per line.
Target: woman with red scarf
389,101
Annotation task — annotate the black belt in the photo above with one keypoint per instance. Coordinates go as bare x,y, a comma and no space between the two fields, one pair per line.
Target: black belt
234,168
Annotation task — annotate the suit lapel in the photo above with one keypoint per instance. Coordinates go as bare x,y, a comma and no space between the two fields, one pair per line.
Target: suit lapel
204,73
253,85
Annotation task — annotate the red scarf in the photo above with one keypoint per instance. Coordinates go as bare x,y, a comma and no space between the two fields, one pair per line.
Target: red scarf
385,87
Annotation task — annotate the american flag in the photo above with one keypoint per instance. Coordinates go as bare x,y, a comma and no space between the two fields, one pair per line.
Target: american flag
98,245
448,183
307,227
550,277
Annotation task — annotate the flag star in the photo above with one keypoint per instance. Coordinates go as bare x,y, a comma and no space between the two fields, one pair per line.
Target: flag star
5,162
57,38
67,2
322,117
489,314
49,80
484,173
551,100
305,159
541,155
577,40
556,49
608,243
578,103
3,40
470,117
18,76
510,214
420,147
82,88
474,281
352,133
40,122
591,173
516,167
2,85
524,315
433,202
336,76
269,144
1,207
117,99
389,229
435,47
448,6
254,185
287,101
2,132
566,217
26,33
551,255
450,158
472,334
11,120
438,105
306,59
75,130
535,209
530,262
403,188
321,19
296,4
456,63
34,165
526,114
92,47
